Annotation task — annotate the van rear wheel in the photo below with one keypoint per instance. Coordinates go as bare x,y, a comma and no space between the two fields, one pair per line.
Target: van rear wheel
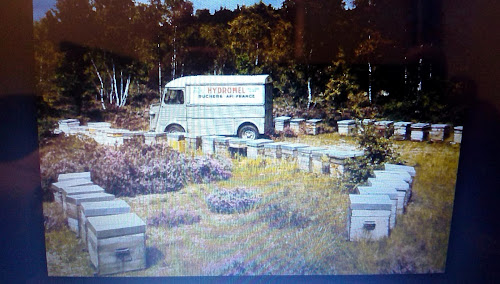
174,128
248,132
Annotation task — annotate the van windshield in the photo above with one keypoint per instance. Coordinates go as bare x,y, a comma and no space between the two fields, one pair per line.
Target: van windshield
174,97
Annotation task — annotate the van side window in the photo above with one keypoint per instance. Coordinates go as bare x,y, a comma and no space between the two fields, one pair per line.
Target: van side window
174,97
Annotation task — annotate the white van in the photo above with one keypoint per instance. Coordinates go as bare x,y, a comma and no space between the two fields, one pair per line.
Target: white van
215,105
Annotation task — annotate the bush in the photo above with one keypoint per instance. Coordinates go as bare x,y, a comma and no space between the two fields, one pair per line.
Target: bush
279,217
134,168
174,218
228,201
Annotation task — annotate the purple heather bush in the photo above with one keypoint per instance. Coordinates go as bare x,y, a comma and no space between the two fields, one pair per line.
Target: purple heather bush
228,201
134,168
173,218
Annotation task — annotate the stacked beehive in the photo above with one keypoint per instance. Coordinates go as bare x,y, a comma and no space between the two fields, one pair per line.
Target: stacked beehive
346,127
312,126
115,238
281,122
373,213
296,124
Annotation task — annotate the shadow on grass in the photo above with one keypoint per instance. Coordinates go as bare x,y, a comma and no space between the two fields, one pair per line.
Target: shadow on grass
153,256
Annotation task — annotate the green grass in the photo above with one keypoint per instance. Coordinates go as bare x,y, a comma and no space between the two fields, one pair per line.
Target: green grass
246,243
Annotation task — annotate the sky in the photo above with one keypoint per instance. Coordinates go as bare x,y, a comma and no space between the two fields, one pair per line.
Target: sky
40,7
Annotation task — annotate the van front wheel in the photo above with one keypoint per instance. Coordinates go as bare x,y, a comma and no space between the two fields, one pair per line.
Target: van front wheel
174,128
248,132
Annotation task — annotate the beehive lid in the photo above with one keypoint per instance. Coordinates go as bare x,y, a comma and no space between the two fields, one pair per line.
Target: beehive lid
238,141
69,120
344,154
370,213
70,176
408,169
440,126
397,175
420,125
176,135
378,190
72,182
100,208
314,120
82,189
99,124
258,142
309,149
370,202
458,128
222,139
282,118
367,121
133,133
402,124
89,197
297,120
384,122
275,145
155,134
319,153
116,225
397,184
209,137
293,146
346,122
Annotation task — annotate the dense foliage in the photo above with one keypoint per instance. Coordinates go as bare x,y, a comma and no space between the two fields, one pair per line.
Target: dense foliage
134,168
94,56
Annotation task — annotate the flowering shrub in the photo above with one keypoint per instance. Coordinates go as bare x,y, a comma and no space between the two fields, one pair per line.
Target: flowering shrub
228,201
279,217
173,218
134,168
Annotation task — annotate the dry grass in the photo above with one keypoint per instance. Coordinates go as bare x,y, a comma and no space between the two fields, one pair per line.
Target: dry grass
247,244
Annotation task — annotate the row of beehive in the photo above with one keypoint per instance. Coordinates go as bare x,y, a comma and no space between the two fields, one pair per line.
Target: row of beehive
115,237
373,211
400,130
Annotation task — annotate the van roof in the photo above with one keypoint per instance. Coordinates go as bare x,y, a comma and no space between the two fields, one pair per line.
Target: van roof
219,80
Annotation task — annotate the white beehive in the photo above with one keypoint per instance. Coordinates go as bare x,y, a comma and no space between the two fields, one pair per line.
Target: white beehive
101,208
338,159
304,157
73,203
117,243
457,134
401,186
369,217
389,191
312,127
57,187
281,122
394,167
402,130
70,176
439,132
296,124
273,150
384,128
346,127
221,146
255,148
401,175
290,151
420,131
207,144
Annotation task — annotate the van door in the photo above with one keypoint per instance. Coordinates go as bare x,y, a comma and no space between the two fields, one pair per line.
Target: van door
173,110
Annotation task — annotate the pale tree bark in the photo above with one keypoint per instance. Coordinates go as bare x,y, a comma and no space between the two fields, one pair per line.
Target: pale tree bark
101,90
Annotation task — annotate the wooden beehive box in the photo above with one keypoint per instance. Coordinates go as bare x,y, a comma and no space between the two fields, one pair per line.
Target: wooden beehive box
117,243
193,142
402,130
402,187
273,150
394,167
369,217
439,132
73,202
281,122
346,127
290,151
77,190
401,175
393,194
312,126
255,148
337,159
420,131
367,122
320,162
238,146
57,187
221,146
384,128
208,145
101,208
304,158
70,176
296,124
